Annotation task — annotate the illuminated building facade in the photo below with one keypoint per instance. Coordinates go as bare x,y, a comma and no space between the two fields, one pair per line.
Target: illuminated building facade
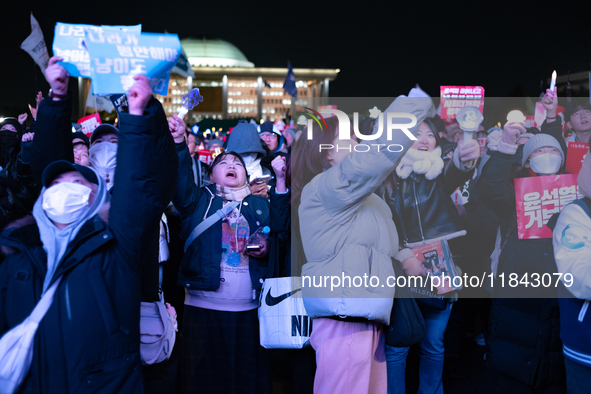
232,87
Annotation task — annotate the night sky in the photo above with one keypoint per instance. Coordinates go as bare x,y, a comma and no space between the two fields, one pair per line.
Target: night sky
382,50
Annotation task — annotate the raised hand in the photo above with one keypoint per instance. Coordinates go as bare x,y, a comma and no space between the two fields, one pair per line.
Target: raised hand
550,102
22,118
469,151
57,76
177,128
27,137
279,167
512,132
139,95
38,100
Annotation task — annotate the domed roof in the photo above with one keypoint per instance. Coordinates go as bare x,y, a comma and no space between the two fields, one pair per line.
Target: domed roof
213,53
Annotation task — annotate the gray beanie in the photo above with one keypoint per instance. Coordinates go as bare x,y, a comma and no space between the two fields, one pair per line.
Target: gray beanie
526,135
540,141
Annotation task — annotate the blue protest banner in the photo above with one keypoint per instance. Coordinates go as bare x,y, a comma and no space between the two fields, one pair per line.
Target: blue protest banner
114,62
68,43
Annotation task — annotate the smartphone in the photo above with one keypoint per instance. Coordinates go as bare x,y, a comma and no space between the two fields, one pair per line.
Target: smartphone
253,247
262,179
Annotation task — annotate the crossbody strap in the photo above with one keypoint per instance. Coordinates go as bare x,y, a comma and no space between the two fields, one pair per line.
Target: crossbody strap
210,221
44,303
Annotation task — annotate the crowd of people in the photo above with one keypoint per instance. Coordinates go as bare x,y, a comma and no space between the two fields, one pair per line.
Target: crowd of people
133,247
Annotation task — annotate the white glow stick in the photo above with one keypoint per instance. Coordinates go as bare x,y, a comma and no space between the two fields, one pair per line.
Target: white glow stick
467,136
553,82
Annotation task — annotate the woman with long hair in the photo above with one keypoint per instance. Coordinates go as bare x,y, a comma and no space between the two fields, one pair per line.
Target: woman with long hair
419,196
346,232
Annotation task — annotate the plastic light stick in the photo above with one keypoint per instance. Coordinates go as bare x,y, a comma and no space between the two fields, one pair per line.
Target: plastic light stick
467,136
515,116
469,118
190,101
553,82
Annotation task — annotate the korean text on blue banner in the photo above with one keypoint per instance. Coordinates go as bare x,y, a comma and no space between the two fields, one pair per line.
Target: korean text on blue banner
114,63
68,43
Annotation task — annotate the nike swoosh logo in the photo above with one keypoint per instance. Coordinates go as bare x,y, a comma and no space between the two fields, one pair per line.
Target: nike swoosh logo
272,301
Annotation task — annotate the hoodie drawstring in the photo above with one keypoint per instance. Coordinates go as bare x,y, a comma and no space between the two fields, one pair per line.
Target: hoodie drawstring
583,310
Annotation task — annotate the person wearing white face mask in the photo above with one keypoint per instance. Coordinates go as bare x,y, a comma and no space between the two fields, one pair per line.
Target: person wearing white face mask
542,155
524,350
89,264
102,154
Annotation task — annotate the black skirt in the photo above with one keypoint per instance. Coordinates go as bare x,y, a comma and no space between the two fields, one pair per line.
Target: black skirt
221,353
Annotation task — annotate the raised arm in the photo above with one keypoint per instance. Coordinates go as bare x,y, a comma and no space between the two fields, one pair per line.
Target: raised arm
145,173
344,187
494,188
185,197
552,125
280,211
53,135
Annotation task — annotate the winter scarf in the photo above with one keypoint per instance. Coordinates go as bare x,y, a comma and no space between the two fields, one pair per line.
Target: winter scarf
233,193
421,162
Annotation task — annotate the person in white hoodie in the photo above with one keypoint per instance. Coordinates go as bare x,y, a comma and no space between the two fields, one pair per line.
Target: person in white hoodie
572,252
347,231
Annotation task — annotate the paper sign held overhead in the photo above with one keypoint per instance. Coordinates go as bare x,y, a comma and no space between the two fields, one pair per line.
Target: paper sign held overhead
35,46
68,43
89,123
454,98
205,156
114,64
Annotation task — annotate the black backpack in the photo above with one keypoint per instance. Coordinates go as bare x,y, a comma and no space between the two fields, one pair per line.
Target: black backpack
407,325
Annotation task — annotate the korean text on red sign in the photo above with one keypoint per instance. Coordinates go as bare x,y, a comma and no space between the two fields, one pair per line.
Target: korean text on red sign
577,151
89,123
538,198
454,98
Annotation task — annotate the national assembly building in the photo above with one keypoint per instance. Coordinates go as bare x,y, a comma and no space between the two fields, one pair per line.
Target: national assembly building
233,87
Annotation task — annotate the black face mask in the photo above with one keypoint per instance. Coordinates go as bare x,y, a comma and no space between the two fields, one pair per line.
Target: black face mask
8,138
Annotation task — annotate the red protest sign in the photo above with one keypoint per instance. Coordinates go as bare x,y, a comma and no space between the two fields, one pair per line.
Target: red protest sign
540,115
454,98
205,156
89,123
575,155
538,198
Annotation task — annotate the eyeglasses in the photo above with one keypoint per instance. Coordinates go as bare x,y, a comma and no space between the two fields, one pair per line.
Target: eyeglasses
578,114
266,135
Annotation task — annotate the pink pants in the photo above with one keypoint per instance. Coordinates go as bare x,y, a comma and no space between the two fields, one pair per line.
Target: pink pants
350,357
